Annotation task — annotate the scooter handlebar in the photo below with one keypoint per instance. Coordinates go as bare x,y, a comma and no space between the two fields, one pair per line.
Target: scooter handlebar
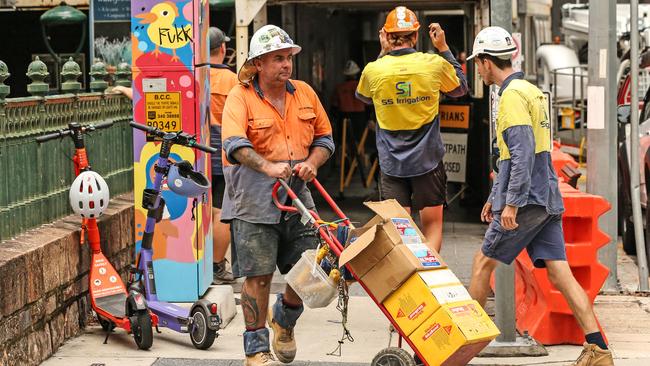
52,136
182,138
146,128
99,126
66,132
207,149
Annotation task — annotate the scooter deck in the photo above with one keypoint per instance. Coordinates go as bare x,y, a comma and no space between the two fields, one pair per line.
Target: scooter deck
106,287
113,304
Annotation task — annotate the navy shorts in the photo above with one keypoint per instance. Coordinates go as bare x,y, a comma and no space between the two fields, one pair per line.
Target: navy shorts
258,248
540,233
427,190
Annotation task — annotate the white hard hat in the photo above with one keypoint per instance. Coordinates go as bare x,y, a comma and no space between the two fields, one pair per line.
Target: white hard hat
267,39
494,41
89,195
351,68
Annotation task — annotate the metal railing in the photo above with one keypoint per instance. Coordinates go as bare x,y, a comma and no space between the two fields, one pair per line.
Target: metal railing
34,178
572,98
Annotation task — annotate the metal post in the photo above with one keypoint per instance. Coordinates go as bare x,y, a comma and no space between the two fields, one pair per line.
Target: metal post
601,124
634,146
501,15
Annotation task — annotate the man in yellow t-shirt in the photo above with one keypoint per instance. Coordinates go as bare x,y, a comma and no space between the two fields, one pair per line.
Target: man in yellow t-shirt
405,85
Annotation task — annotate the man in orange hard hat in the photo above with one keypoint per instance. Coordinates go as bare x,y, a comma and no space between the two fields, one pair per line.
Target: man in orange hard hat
405,85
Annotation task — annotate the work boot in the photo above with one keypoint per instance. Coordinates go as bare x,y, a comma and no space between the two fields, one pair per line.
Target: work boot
284,343
592,355
221,274
261,359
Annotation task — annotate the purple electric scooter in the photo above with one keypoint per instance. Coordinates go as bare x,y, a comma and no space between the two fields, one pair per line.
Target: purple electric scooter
201,321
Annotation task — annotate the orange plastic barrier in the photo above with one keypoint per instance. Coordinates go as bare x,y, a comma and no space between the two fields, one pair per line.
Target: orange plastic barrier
541,309
560,159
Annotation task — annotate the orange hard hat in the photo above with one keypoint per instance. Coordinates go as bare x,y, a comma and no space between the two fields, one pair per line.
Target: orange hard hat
401,19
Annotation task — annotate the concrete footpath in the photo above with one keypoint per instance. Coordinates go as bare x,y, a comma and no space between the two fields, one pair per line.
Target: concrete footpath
625,318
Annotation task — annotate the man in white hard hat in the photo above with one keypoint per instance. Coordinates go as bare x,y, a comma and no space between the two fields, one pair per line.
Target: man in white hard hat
273,127
525,206
346,105
344,99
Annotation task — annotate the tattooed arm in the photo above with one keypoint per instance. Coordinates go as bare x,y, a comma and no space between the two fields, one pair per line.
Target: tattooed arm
248,157
308,168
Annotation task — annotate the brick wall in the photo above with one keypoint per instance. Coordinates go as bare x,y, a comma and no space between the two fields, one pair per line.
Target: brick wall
44,282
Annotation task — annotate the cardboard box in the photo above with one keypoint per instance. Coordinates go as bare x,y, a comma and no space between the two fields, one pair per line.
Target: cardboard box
421,295
454,334
396,221
389,274
429,258
367,246
387,250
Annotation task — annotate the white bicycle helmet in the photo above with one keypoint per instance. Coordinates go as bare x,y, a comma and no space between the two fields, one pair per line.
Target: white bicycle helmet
89,195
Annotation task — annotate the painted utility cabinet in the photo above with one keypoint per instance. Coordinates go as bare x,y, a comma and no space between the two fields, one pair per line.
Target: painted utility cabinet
171,92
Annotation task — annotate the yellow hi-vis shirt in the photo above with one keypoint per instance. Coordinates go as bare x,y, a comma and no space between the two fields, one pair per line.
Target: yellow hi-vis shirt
405,89
526,174
523,104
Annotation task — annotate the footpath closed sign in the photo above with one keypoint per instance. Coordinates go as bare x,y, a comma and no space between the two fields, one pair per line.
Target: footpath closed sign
455,156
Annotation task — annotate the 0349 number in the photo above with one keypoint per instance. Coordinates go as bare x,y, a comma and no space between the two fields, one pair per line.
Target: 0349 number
164,125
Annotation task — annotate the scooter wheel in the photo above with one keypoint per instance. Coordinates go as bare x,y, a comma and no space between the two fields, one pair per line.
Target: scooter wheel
142,330
202,336
393,356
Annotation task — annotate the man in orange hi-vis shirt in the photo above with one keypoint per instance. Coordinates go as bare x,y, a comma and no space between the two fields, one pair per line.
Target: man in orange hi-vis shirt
273,127
221,81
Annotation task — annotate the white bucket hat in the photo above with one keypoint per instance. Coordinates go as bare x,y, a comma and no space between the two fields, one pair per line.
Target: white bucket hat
267,39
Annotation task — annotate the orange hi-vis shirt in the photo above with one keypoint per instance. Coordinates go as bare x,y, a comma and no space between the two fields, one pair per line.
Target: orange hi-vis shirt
345,100
248,115
251,120
222,80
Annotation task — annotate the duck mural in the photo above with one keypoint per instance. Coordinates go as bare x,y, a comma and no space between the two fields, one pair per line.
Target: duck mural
170,51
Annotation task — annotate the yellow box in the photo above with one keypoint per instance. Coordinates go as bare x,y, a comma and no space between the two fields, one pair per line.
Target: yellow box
454,334
421,295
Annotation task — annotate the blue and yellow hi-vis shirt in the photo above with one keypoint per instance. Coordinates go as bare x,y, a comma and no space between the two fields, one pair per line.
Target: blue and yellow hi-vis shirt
405,87
526,175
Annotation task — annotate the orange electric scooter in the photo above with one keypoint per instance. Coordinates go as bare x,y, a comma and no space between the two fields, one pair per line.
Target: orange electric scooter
109,298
